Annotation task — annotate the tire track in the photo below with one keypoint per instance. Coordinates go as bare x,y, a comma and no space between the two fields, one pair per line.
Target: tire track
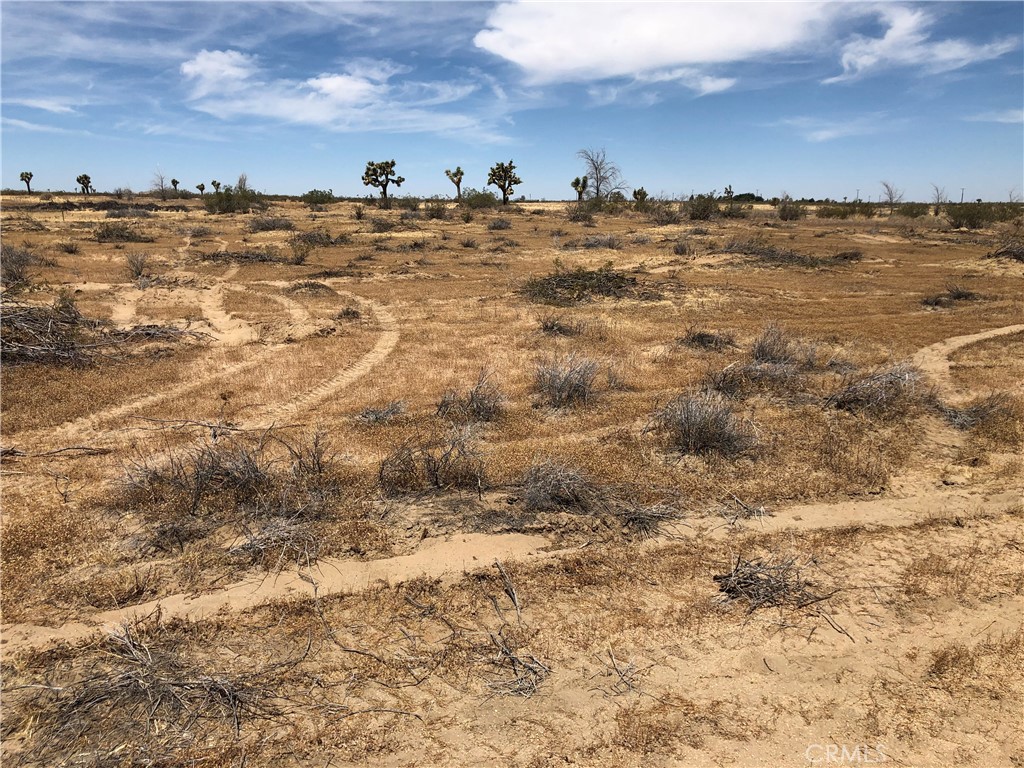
933,360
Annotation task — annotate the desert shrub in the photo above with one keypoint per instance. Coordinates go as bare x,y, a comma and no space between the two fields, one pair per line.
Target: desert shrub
270,224
701,424
120,232
406,203
571,286
773,345
1010,247
469,242
555,325
318,197
739,379
379,225
833,212
446,464
567,382
233,200
436,208
662,213
263,255
384,414
790,210
358,212
475,199
128,213
702,207
881,391
950,297
136,691
978,215
67,246
497,224
683,247
733,211
483,402
550,486
15,266
137,266
913,210
699,338
579,213
348,313
310,287
854,254
612,242
768,253
647,521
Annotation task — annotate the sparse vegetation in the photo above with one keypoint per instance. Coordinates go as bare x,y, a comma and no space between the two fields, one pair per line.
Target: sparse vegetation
702,424
568,382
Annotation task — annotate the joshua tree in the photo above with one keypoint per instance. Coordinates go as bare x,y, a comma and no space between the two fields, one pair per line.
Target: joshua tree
85,183
891,195
380,175
216,185
604,175
503,176
640,196
202,189
175,183
455,177
26,176
580,185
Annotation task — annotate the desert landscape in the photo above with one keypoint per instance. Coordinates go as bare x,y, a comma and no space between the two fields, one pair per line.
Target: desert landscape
332,483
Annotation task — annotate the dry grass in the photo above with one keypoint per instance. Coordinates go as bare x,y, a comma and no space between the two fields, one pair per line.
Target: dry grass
627,523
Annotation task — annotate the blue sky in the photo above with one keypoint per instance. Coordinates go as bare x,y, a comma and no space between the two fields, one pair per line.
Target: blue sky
814,99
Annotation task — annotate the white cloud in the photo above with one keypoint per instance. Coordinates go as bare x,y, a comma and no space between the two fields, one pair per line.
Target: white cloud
816,129
579,42
906,43
25,125
1012,116
218,71
55,106
228,84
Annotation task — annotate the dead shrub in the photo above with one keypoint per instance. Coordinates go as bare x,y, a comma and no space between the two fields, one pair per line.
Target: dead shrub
773,346
551,486
555,325
137,266
564,287
647,521
878,392
482,402
566,383
15,266
270,224
771,582
453,462
1011,247
121,232
740,379
998,418
272,544
382,414
701,424
715,341
135,696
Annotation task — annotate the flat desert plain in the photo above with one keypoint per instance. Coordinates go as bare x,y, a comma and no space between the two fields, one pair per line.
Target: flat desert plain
354,486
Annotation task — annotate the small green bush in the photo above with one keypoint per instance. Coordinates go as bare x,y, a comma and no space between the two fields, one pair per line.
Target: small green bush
318,197
476,199
702,207
790,210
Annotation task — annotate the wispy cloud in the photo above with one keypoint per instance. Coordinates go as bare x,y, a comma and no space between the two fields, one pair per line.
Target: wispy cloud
25,125
56,106
230,84
906,43
816,129
1011,116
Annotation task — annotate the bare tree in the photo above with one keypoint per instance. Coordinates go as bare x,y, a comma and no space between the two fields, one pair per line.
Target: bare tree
939,195
891,195
605,176
160,184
